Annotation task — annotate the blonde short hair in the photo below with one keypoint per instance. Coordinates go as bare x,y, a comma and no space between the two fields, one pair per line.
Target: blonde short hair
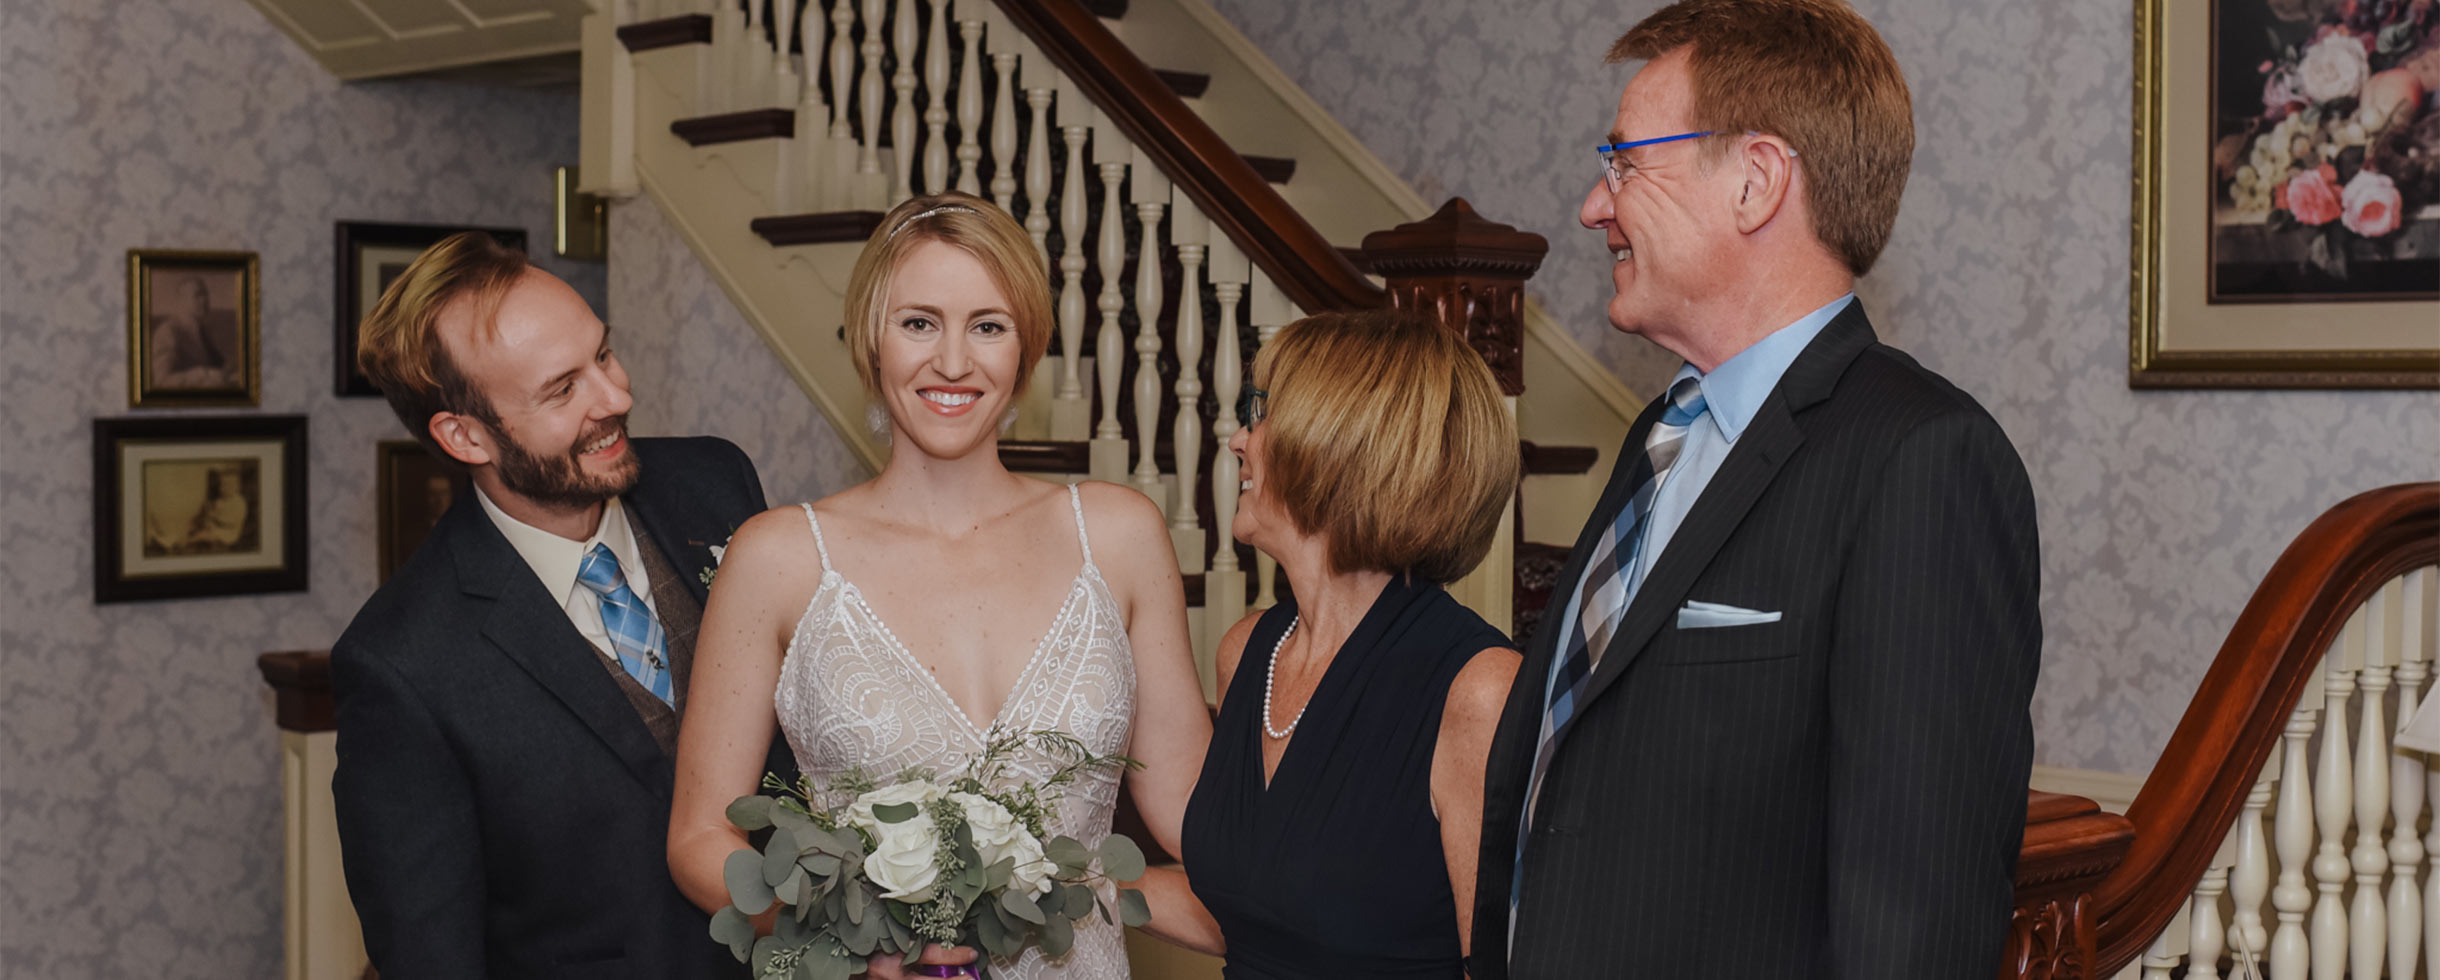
1388,437
970,223
398,346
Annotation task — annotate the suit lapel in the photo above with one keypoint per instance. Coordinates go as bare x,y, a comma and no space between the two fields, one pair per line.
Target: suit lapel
533,632
1767,443
650,506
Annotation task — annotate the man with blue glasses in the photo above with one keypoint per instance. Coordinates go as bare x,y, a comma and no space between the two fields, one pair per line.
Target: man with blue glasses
1776,722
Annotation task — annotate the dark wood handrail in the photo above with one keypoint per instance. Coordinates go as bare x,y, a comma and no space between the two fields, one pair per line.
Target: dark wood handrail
2200,783
1237,199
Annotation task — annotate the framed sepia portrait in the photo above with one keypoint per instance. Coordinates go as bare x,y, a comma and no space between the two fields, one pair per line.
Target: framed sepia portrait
369,256
2287,194
198,506
414,490
194,328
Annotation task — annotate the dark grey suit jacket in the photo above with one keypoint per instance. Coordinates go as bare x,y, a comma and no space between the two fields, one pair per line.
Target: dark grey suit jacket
503,807
1840,793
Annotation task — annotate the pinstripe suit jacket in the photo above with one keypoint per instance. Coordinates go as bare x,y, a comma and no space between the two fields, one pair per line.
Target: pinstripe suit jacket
1840,793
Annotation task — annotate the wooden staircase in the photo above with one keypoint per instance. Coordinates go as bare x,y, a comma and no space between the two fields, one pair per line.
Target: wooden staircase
1142,210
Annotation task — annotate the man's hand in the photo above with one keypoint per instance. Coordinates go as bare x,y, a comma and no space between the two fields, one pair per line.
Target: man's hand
890,967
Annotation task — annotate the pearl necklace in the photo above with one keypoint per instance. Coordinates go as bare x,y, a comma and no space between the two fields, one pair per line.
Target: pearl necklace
1270,676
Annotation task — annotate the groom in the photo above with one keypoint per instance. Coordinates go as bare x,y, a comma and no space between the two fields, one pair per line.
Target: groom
1775,725
508,703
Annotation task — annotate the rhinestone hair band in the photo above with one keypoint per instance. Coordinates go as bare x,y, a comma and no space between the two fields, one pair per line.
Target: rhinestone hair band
920,215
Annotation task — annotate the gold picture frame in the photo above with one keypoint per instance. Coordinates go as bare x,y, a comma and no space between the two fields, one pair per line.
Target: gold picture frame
2180,334
194,328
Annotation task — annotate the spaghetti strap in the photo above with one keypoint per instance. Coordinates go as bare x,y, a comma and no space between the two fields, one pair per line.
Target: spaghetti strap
1076,503
818,546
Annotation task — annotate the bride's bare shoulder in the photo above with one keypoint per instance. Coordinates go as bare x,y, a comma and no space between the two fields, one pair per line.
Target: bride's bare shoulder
1120,515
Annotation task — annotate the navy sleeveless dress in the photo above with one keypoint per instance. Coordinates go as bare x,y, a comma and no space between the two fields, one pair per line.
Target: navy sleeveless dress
1336,868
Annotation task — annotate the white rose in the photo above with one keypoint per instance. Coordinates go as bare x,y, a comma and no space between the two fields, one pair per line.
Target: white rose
918,792
902,864
1032,876
998,835
2333,68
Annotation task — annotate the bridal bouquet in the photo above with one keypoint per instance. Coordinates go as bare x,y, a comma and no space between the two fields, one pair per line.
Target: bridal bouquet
961,861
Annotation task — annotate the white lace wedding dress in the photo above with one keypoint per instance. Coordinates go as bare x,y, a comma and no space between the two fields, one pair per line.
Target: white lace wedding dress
851,696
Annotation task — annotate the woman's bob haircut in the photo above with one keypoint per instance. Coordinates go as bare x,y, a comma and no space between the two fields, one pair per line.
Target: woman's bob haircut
1388,437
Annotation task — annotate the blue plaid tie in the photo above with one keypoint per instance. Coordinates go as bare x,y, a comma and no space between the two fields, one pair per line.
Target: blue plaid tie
634,635
1610,581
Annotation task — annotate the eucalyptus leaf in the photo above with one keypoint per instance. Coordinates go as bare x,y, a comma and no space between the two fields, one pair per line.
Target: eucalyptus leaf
828,965
1131,907
1018,906
765,950
747,889
1008,920
895,812
860,938
1069,854
994,936
779,857
1075,900
796,823
967,888
996,876
751,813
790,932
1121,859
731,928
819,864
1058,935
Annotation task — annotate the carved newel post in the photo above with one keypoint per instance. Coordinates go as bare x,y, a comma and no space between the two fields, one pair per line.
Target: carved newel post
1469,274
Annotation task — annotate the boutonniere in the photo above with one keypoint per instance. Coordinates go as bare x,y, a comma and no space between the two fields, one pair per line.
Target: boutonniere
719,552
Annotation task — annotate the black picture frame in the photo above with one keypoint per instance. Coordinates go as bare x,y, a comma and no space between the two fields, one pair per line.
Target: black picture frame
242,477
388,246
409,500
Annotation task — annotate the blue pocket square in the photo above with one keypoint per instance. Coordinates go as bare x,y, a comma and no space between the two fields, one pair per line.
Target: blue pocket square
1712,615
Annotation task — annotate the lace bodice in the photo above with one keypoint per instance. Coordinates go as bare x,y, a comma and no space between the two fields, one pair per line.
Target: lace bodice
851,695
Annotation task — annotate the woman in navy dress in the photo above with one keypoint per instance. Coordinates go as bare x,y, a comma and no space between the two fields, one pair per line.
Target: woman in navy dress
1334,828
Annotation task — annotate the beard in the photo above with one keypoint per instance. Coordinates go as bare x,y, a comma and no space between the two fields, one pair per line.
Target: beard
560,480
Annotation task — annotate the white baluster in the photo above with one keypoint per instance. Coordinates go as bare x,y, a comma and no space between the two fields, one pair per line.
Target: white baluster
2161,957
970,102
1224,586
2204,938
812,113
1192,234
2431,881
1150,195
2368,914
783,71
1069,406
1109,449
936,99
2333,810
1270,310
2405,776
754,64
2251,877
872,184
2291,953
839,180
902,104
1004,127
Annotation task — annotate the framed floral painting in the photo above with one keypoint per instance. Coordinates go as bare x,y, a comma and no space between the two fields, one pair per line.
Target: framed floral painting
2287,194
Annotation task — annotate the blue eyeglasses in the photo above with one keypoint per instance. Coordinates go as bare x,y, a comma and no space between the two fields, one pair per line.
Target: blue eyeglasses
1616,168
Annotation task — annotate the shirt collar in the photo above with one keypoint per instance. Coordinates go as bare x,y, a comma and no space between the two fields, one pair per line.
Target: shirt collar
1734,391
555,559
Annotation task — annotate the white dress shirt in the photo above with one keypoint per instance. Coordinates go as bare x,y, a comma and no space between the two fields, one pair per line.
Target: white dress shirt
555,559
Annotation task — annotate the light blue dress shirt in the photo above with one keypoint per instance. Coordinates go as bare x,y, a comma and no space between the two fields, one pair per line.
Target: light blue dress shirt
1732,393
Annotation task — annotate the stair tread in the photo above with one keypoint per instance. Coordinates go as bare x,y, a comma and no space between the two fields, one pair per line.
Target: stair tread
1274,170
817,228
1187,84
667,32
1541,460
732,127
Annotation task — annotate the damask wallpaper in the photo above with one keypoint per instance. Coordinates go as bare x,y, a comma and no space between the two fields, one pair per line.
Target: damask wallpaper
2159,510
139,775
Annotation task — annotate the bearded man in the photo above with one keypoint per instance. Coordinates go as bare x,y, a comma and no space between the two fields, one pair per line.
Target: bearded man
508,703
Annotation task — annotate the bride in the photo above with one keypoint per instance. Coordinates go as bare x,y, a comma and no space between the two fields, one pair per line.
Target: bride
894,624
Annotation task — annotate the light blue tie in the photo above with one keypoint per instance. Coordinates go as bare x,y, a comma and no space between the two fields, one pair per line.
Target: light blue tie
1611,578
634,635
